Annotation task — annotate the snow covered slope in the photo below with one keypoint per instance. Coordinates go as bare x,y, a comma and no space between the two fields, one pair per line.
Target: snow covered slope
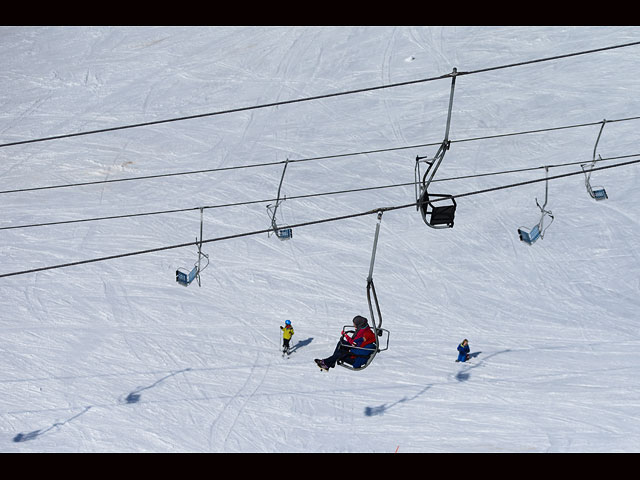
114,356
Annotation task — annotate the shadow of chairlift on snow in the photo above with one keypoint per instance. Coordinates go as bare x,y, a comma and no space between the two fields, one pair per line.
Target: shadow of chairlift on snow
25,437
461,376
381,409
134,397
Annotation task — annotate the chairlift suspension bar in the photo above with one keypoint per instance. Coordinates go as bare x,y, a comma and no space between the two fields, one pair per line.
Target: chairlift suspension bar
454,74
375,246
200,245
274,209
371,289
546,186
593,161
543,209
546,197
435,164
286,162
598,140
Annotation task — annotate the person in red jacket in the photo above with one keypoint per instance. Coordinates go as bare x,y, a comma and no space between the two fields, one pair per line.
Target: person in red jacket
352,350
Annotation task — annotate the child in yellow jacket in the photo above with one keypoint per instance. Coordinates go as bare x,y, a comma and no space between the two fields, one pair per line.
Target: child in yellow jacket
287,333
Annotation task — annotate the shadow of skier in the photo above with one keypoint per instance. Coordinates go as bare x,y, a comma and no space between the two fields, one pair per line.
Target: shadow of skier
300,344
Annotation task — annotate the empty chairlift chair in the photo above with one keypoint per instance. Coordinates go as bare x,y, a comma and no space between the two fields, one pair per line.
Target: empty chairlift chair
438,211
434,214
281,233
531,235
185,276
597,193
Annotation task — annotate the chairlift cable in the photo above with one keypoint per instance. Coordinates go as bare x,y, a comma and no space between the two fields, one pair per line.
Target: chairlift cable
308,159
316,97
304,224
298,197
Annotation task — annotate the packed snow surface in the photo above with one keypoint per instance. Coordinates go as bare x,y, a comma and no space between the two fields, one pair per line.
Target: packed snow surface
115,356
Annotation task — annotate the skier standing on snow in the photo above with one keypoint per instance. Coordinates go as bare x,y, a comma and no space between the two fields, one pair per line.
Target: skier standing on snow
363,337
287,333
463,351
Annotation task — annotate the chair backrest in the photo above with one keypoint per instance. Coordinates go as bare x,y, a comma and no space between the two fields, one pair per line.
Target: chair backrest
443,215
599,194
284,233
531,236
186,278
534,233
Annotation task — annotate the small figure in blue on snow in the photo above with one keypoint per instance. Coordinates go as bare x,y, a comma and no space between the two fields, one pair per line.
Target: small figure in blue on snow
463,351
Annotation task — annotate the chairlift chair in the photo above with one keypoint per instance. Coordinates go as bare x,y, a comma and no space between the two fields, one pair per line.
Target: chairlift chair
440,216
363,356
284,233
185,276
531,235
435,216
281,233
597,193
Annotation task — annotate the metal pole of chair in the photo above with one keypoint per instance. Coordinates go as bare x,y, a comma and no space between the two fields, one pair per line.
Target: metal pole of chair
200,244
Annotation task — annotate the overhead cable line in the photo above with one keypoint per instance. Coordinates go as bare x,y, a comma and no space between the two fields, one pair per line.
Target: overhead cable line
547,59
542,130
316,97
298,197
323,157
304,224
555,177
